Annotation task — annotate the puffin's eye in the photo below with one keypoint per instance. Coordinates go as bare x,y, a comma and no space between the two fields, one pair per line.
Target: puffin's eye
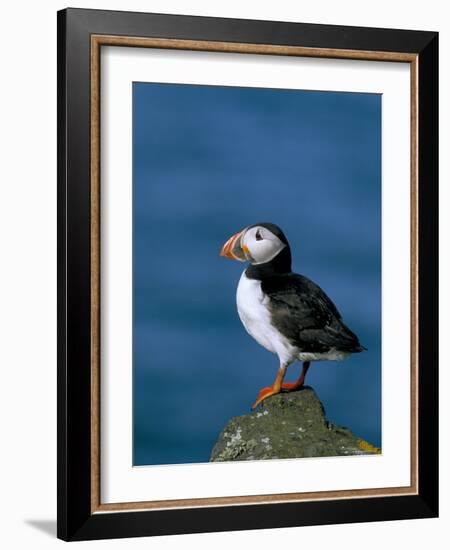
258,235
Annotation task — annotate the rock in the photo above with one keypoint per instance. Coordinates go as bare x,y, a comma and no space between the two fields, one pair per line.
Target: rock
287,425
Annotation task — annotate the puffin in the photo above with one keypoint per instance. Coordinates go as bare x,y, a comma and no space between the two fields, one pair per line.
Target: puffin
286,313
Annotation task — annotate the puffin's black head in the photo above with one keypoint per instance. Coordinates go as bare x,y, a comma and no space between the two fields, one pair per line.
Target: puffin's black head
260,243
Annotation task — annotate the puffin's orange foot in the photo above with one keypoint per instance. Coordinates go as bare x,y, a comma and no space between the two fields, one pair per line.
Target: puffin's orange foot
264,394
291,386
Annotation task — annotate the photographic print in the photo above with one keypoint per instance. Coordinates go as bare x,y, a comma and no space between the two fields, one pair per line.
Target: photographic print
277,354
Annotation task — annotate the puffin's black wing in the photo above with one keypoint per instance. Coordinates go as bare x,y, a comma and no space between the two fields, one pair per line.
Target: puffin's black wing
303,313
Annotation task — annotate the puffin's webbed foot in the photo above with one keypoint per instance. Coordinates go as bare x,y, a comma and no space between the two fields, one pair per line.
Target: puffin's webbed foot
292,386
278,386
264,394
271,390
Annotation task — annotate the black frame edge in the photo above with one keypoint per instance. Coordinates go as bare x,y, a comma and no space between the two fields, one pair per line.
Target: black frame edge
255,31
73,376
428,123
61,279
251,517
75,521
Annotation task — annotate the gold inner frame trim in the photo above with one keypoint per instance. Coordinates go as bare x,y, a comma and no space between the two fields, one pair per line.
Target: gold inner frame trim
97,41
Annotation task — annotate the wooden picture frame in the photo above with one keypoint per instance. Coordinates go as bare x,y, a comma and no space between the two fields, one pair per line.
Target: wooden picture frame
81,35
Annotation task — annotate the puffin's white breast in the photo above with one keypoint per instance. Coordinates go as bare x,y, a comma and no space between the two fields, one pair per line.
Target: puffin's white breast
253,311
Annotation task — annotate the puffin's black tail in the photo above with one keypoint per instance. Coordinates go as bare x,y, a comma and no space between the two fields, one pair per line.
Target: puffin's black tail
359,348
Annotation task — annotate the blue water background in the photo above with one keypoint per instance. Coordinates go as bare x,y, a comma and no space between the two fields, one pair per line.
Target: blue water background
208,161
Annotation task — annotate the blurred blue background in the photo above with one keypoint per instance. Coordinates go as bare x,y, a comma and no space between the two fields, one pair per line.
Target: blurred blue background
208,161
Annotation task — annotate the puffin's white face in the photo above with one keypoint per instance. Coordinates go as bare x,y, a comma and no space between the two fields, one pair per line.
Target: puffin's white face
256,245
260,245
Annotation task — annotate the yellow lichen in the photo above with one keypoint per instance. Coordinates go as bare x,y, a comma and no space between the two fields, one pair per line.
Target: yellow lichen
367,447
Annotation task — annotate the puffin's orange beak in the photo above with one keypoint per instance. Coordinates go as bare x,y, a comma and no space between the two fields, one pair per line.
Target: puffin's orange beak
232,248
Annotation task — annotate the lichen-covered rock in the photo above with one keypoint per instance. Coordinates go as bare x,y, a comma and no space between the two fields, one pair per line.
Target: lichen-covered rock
287,425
